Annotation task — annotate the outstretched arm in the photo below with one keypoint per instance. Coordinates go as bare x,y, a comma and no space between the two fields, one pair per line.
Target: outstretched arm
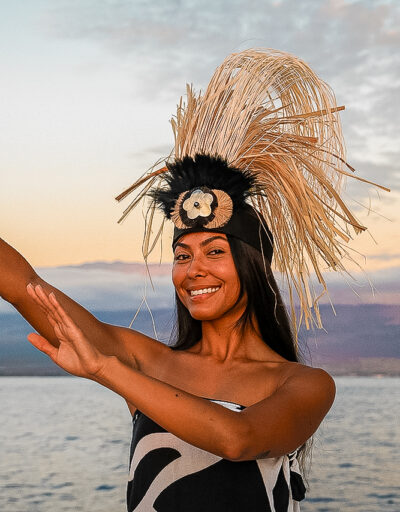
274,426
16,273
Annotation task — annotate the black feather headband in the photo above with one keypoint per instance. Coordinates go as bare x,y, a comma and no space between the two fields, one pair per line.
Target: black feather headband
205,194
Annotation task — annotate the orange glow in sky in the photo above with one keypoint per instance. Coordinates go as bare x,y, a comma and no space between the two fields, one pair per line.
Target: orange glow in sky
83,118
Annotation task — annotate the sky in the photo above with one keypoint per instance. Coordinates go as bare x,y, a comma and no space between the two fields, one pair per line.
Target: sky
89,86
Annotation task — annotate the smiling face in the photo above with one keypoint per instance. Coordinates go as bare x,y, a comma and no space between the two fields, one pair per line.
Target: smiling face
205,276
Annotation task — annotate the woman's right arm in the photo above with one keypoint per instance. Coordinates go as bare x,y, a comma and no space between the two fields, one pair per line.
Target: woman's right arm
131,347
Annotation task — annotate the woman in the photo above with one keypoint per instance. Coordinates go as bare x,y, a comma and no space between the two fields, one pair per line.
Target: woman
230,394
220,417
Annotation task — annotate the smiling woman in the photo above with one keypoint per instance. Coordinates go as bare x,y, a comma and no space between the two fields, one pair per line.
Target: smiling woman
221,418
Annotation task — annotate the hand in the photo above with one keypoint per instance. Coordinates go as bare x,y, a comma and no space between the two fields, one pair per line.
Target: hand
75,354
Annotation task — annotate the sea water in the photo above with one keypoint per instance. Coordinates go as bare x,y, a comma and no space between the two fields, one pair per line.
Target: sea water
64,445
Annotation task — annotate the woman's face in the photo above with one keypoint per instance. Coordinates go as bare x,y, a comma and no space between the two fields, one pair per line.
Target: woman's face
205,276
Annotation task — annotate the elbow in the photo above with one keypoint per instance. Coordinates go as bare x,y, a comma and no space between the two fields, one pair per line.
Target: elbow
233,454
240,448
235,445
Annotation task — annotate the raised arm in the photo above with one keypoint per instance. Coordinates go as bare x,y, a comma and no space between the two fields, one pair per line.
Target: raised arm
16,273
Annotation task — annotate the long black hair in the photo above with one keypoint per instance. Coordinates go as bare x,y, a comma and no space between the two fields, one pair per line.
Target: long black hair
265,309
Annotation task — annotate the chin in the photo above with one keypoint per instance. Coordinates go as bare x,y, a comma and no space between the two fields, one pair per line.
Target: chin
203,316
207,315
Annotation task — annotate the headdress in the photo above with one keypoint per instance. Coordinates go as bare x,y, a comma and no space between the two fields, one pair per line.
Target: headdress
260,156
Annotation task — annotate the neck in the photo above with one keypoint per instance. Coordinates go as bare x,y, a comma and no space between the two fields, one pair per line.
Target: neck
223,341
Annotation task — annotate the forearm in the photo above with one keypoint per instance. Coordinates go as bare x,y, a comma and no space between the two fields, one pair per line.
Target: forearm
15,273
197,421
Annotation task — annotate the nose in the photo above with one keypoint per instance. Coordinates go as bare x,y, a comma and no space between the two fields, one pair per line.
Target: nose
196,268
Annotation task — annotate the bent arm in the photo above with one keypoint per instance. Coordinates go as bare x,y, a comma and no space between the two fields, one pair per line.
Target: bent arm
273,427
284,421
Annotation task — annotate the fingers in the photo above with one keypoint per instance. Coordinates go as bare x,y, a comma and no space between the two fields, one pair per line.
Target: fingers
42,300
32,293
43,345
64,327
60,311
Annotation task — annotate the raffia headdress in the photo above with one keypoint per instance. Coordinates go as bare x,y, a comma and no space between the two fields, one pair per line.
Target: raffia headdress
267,116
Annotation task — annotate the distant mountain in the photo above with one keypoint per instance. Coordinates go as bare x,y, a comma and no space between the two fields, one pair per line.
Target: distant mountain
19,357
360,339
154,269
365,328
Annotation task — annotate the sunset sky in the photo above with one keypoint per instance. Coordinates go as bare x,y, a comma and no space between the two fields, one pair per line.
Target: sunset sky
88,88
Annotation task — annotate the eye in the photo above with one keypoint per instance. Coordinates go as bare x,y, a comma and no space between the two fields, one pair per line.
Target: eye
214,252
181,257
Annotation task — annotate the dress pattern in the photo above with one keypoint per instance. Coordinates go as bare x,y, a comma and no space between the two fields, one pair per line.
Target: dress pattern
167,474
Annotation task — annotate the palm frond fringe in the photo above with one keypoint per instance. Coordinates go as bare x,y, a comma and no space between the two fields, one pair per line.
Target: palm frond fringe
267,112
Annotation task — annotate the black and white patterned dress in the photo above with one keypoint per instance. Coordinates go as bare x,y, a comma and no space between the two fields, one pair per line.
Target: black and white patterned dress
169,475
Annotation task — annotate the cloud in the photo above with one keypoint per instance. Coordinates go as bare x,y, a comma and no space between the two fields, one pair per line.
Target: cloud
384,257
152,151
353,45
162,36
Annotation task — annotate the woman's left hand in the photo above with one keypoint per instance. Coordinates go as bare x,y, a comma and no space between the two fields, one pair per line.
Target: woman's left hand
75,354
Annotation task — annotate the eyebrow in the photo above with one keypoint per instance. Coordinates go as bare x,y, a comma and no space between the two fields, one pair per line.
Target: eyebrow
203,243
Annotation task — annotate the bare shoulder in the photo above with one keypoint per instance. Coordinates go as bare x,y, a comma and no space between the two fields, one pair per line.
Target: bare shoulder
312,384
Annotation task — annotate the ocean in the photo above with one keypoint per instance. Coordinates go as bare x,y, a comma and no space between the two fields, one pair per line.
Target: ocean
64,445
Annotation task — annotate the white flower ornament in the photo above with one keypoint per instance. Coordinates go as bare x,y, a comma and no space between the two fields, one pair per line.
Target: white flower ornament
202,208
198,204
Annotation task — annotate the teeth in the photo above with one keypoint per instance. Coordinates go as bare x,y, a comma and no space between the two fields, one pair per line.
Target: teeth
205,290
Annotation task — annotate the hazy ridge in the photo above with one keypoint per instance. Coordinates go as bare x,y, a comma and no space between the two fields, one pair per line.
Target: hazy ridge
362,339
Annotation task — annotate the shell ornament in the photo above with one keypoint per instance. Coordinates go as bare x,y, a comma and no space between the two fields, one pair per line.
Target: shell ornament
202,207
199,203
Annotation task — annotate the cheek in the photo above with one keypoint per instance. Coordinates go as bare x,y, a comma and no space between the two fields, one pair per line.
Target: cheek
236,290
232,278
177,278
